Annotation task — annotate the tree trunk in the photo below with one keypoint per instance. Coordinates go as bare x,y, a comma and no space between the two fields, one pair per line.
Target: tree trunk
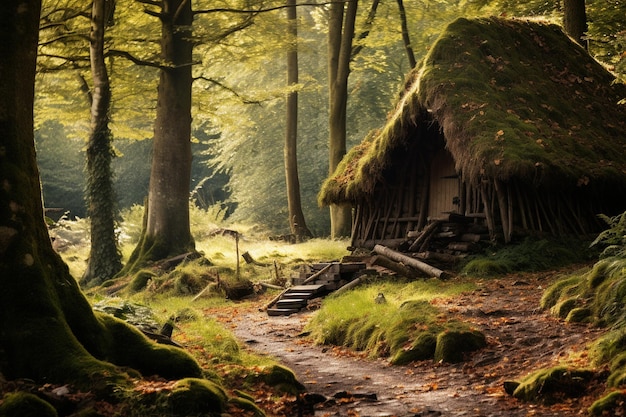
405,35
297,223
104,257
340,35
167,231
575,20
48,331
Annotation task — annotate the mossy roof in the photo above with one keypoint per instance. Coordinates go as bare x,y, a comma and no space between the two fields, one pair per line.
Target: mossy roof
514,98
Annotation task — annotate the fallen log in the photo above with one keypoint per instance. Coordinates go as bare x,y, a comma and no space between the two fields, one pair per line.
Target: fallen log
396,267
412,262
348,286
271,286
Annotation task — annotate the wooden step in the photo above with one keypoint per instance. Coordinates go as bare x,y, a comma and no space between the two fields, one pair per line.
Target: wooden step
309,289
306,295
282,311
289,303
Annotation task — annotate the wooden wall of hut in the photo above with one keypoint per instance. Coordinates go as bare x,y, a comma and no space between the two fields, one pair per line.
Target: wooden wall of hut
507,209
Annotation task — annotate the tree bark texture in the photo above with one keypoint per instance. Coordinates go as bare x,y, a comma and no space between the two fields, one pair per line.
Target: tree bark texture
167,231
104,257
48,331
575,20
341,26
297,222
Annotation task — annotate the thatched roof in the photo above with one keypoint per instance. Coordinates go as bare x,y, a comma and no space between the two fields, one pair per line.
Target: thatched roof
514,98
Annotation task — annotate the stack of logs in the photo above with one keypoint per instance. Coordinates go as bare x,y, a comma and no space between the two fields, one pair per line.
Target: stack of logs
446,239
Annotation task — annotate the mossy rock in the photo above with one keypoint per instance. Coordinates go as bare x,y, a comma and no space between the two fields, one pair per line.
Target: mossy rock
562,308
546,384
24,404
247,404
579,315
282,378
552,295
453,344
193,396
422,348
609,404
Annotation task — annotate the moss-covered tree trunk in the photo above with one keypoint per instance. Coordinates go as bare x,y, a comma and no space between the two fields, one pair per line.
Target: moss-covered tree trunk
48,331
166,230
104,257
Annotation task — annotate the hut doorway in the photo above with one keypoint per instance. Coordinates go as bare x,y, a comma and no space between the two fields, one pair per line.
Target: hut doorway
444,185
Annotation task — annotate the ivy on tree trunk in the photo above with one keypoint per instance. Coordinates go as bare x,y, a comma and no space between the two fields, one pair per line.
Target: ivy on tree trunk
104,256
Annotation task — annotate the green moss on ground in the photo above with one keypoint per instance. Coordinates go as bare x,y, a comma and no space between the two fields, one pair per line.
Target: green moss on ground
24,404
452,345
127,346
282,378
610,404
550,385
530,254
193,396
406,328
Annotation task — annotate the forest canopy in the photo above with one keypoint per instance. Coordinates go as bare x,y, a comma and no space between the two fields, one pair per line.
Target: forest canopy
239,96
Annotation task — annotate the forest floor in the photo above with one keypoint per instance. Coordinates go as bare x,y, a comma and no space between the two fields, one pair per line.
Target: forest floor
521,338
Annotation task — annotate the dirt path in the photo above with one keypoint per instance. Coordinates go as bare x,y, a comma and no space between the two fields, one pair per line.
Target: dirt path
521,338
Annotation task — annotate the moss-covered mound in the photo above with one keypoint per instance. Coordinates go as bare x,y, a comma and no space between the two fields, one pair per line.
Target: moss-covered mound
193,396
405,330
23,404
550,385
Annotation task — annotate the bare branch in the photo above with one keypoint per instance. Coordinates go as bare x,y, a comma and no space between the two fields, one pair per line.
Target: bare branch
127,55
263,10
230,90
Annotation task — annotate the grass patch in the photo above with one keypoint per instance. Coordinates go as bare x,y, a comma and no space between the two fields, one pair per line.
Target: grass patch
529,255
406,327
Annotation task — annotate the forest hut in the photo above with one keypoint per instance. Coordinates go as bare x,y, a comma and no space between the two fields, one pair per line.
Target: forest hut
508,124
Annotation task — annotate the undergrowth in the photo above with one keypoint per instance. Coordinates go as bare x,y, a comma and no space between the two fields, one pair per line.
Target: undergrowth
529,255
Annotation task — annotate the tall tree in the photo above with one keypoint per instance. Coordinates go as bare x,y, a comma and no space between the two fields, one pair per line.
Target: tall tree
166,230
341,31
297,222
575,20
104,257
341,27
406,37
49,332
